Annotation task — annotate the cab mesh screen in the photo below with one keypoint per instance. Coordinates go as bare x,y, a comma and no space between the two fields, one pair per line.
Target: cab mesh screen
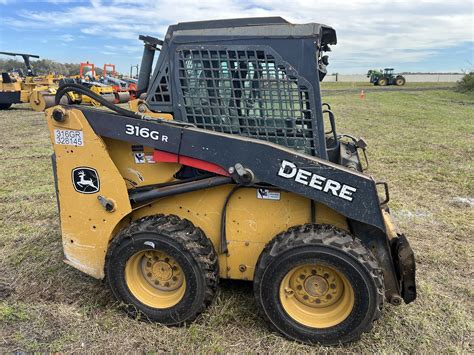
162,94
246,92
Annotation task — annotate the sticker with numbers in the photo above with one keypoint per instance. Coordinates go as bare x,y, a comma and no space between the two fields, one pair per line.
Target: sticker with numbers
266,194
68,137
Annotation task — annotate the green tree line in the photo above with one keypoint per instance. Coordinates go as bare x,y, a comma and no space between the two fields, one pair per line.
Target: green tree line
43,67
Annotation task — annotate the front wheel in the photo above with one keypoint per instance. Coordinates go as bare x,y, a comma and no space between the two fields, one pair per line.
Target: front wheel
318,284
163,268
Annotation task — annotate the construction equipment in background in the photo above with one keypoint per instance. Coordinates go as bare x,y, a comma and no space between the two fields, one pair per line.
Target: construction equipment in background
38,91
131,87
132,82
120,87
105,91
87,71
89,79
385,77
227,171
131,71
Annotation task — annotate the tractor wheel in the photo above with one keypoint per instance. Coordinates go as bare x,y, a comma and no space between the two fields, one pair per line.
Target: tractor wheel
318,284
163,268
5,106
382,82
400,81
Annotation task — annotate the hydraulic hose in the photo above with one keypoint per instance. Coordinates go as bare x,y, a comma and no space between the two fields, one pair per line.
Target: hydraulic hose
73,87
65,88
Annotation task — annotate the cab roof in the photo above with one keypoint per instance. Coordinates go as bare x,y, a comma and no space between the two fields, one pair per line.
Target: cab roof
250,27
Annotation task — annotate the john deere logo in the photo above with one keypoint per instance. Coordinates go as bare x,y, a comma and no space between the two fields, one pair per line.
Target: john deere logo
85,180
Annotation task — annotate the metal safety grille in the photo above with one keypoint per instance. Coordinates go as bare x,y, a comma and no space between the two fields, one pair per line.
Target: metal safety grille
246,92
162,94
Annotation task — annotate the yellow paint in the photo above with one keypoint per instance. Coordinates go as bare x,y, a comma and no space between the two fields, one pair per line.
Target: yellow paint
392,230
155,279
30,88
316,296
140,106
99,90
135,174
87,228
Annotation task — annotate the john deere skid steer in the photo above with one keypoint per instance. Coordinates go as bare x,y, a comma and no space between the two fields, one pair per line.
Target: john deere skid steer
226,170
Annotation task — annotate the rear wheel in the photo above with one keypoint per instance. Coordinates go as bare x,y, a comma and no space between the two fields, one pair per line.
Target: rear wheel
163,268
400,81
382,82
5,106
318,284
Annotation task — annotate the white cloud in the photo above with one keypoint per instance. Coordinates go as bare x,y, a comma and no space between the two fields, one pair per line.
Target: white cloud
370,32
66,38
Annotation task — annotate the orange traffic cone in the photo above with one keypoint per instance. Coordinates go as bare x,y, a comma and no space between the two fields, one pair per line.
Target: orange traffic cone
362,95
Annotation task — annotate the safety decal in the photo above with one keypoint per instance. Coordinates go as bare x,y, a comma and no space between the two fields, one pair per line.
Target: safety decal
139,157
266,194
85,180
149,159
68,137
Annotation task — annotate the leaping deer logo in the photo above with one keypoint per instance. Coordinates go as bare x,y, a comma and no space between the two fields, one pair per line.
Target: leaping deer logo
85,180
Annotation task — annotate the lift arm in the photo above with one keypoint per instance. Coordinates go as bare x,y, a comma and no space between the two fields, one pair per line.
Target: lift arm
249,161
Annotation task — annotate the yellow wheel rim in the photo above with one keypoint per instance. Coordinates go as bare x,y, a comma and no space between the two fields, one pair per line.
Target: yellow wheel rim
316,296
155,279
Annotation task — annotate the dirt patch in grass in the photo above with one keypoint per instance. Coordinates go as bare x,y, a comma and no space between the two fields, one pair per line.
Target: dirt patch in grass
420,142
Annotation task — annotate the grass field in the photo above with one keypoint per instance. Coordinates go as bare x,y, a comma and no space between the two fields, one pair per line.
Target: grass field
422,143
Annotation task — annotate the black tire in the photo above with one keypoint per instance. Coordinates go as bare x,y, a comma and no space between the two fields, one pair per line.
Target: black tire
400,81
184,242
382,81
331,247
5,106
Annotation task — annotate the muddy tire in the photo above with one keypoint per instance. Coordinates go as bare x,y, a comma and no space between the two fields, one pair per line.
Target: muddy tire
163,268
318,284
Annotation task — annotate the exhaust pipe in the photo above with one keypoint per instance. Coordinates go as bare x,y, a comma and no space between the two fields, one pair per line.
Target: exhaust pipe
149,49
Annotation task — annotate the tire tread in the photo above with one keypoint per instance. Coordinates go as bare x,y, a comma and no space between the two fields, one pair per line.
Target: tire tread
328,235
190,237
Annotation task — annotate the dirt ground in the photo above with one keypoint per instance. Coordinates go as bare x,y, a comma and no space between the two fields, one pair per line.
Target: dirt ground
421,142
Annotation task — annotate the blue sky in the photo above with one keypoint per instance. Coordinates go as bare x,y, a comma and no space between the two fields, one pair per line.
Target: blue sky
408,35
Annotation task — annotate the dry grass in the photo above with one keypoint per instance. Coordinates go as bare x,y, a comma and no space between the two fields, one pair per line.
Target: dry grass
421,142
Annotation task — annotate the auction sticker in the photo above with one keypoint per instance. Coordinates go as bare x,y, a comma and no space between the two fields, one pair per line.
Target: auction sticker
68,137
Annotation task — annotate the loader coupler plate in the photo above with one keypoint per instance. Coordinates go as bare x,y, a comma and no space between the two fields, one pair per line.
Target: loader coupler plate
404,260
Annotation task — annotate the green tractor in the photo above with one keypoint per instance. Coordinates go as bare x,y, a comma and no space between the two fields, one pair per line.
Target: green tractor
385,77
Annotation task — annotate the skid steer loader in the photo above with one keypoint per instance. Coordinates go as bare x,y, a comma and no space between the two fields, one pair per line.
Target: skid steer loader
226,170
